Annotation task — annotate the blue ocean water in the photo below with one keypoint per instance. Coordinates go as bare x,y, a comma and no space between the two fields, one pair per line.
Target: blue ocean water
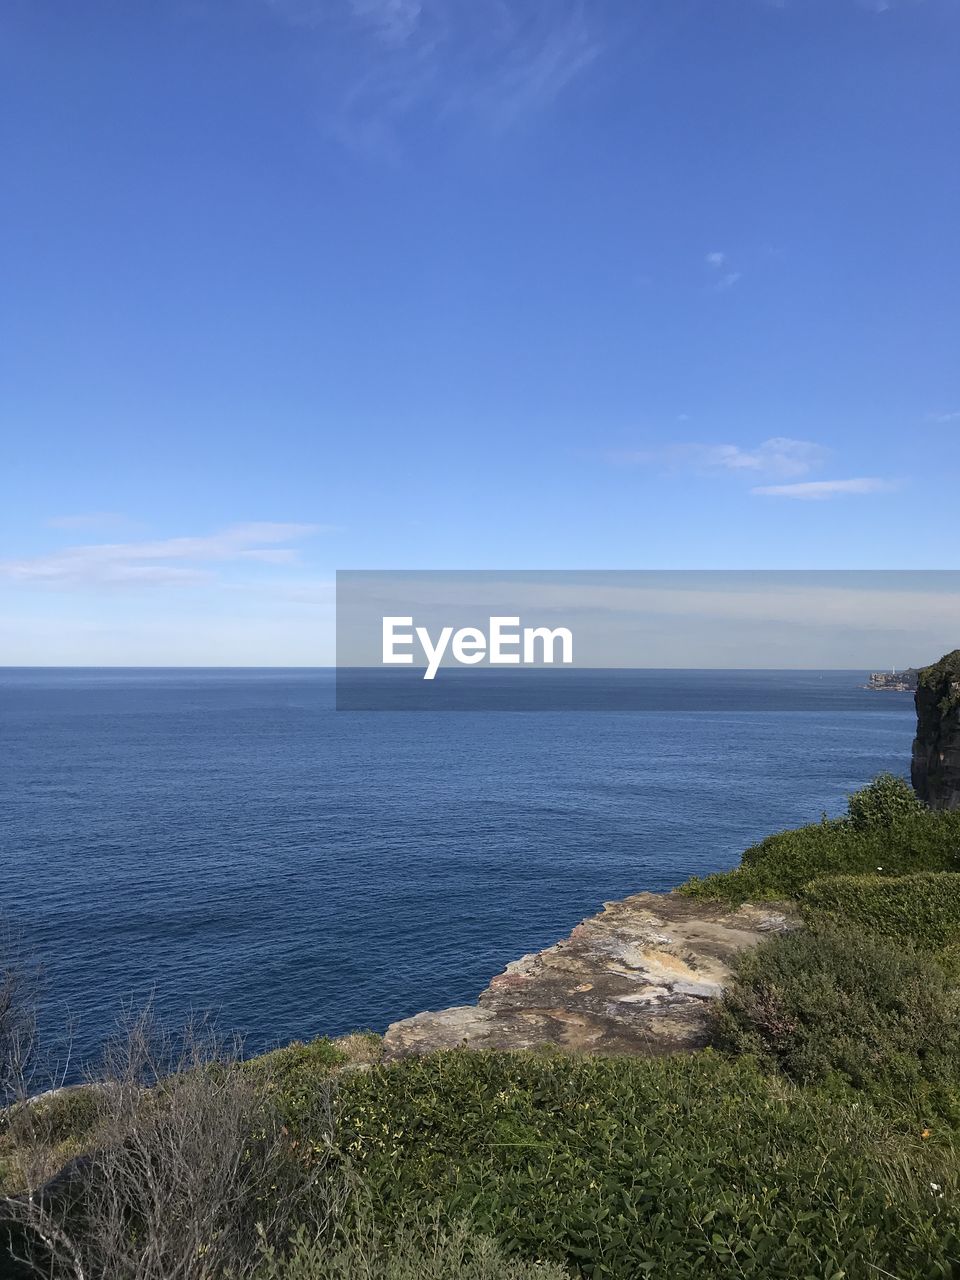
227,840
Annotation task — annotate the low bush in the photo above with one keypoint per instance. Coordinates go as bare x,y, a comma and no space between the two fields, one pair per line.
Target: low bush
418,1251
884,801
39,1137
780,865
292,1076
692,1166
187,1166
922,909
838,1005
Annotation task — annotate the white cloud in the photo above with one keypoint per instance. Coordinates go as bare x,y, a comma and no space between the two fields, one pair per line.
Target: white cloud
943,418
817,490
777,456
780,455
166,561
716,261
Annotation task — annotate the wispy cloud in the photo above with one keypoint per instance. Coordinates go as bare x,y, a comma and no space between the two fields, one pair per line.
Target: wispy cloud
389,61
552,57
165,562
871,6
724,279
817,490
943,418
393,21
777,456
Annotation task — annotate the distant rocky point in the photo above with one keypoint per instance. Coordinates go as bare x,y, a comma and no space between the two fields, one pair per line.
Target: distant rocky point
895,681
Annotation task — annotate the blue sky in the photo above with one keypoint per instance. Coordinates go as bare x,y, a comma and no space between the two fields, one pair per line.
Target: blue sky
293,285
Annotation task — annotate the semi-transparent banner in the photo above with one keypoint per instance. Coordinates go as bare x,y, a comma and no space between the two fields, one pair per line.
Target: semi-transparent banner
638,640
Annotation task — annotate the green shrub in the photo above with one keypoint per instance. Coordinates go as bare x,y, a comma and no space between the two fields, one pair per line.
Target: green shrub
780,865
66,1114
691,1166
61,1124
293,1062
886,800
943,676
922,909
827,1004
291,1076
418,1251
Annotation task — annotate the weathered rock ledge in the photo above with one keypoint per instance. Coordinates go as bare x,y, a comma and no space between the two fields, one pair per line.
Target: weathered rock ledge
638,978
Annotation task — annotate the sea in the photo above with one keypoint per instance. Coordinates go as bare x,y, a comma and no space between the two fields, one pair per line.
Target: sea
227,842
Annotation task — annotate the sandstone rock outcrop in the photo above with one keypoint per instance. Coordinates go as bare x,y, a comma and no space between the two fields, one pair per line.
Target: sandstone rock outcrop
935,765
638,978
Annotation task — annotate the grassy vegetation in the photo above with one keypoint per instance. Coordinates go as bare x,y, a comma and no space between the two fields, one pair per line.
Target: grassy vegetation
476,1166
885,834
819,1138
689,1166
922,909
422,1249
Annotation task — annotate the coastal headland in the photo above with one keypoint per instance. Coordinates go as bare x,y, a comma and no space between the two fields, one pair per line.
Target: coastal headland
638,978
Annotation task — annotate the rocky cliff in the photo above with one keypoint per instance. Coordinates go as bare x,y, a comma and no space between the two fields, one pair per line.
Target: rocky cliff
935,767
637,978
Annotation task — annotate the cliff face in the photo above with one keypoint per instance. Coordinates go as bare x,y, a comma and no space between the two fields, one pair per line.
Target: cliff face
935,767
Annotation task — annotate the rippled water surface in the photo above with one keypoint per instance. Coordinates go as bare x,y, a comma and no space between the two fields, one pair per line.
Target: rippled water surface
226,839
